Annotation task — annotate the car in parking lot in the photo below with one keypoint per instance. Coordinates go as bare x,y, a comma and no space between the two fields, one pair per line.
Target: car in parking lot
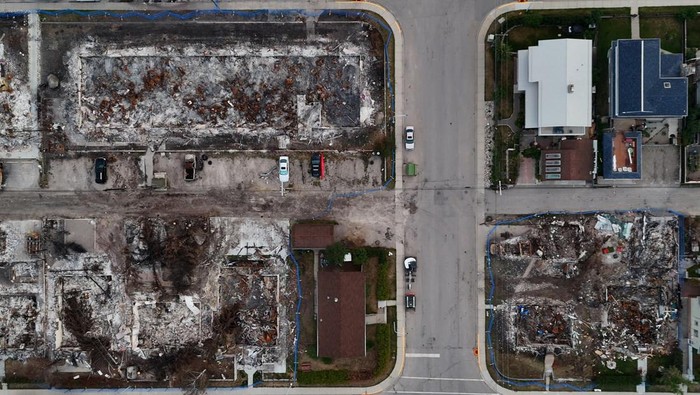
100,170
284,168
316,165
410,301
409,138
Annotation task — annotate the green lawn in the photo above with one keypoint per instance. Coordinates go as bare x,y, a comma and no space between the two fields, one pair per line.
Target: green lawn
504,138
624,377
505,79
667,11
522,37
609,29
668,28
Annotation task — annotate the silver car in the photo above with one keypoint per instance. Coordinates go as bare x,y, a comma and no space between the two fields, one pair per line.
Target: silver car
410,143
284,168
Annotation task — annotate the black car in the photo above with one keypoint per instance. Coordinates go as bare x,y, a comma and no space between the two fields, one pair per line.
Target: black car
100,170
575,29
316,165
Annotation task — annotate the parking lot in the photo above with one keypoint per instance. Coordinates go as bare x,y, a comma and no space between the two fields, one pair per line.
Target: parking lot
242,171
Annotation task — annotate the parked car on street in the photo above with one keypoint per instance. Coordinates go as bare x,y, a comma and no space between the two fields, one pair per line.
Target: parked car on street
100,170
410,264
409,138
410,301
283,165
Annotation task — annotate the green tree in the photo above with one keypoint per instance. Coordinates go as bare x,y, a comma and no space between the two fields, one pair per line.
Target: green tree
335,253
532,19
673,378
359,256
532,152
503,49
594,18
692,126
686,14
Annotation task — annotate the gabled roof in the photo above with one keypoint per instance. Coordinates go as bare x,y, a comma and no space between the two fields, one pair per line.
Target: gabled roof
556,76
644,82
312,235
341,314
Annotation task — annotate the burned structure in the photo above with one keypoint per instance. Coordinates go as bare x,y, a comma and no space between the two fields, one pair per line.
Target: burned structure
231,89
257,295
174,291
595,286
145,295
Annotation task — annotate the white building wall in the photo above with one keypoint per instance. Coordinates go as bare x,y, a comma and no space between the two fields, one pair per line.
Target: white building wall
556,76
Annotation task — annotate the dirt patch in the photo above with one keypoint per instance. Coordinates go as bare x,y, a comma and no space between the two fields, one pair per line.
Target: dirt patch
307,335
33,370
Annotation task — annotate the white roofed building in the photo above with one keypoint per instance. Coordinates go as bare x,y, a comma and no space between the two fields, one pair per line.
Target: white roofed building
556,76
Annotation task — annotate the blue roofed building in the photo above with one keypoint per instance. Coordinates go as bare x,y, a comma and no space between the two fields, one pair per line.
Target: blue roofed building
645,82
622,155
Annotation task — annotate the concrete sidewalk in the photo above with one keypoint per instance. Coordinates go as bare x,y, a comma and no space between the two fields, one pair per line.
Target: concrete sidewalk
634,15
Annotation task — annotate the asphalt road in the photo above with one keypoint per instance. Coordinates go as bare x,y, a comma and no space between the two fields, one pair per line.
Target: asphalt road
439,86
523,200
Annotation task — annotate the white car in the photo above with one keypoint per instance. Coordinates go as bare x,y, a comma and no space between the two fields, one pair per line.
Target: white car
410,143
284,168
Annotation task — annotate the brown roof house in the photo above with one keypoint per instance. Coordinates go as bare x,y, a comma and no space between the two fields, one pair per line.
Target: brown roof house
312,235
571,160
341,330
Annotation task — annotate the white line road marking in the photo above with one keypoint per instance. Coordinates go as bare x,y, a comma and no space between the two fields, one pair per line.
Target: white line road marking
421,355
437,378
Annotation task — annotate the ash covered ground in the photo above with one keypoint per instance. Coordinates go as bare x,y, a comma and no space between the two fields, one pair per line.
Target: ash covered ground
18,128
235,88
161,292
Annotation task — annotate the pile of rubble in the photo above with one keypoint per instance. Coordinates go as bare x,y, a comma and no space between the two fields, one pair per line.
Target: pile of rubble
165,325
250,93
18,122
256,284
101,316
603,285
18,324
542,325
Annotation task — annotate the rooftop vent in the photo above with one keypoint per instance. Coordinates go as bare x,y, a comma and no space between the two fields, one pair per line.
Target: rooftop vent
667,85
570,88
